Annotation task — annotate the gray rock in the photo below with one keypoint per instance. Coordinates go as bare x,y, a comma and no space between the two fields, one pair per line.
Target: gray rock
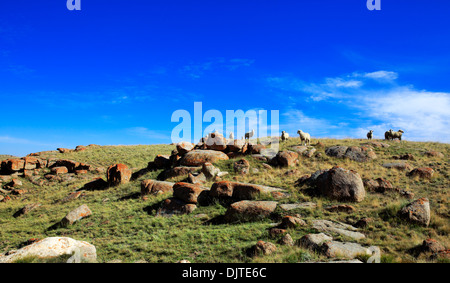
338,228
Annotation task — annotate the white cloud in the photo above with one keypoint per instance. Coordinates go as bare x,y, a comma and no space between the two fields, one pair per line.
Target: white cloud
423,115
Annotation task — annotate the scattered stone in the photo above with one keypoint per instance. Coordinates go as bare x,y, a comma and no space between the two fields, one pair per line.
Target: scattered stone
242,191
26,209
72,196
189,193
275,232
184,147
313,242
53,247
299,148
397,165
177,172
153,187
241,166
250,210
303,205
339,184
162,161
344,249
60,170
256,148
434,154
262,248
287,240
198,178
431,246
309,153
75,215
417,212
118,174
199,157
287,158
379,185
359,154
376,144
173,206
425,173
291,222
338,228
64,150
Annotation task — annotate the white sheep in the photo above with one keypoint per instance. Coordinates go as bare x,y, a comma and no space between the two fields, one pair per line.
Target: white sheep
370,135
231,136
249,135
284,136
304,137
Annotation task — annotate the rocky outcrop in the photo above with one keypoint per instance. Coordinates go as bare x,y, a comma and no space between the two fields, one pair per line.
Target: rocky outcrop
359,154
247,210
417,212
199,157
54,247
339,184
118,174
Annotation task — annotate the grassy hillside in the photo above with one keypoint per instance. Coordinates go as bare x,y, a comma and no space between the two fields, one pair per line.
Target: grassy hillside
122,229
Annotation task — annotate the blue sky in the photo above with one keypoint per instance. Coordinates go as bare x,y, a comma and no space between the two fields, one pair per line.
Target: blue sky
114,72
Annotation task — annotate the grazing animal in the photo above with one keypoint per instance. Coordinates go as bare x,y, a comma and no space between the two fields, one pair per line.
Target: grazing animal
284,136
396,135
249,135
231,136
304,137
387,135
370,135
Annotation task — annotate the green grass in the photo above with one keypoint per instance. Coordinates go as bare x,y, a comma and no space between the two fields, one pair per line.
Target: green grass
122,229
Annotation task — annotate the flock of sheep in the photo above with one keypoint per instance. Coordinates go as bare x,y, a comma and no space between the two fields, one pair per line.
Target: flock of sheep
305,138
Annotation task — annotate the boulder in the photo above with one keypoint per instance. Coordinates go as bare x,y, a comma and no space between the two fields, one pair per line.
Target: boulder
26,209
173,206
198,178
359,154
184,147
242,166
189,193
287,240
262,248
249,210
12,165
75,215
153,187
216,141
291,222
344,249
417,212
397,165
210,171
118,174
287,158
177,172
434,154
339,228
313,242
64,150
339,184
303,205
60,170
241,191
406,156
54,247
162,161
378,185
199,157
299,148
424,173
